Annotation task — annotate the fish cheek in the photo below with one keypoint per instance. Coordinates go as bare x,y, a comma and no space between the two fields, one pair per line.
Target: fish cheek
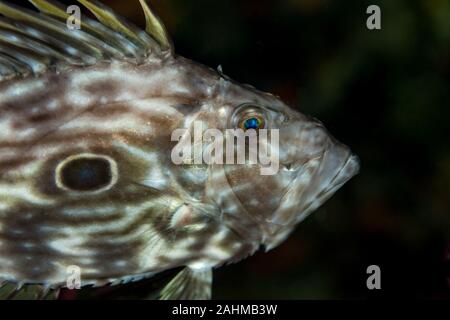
259,194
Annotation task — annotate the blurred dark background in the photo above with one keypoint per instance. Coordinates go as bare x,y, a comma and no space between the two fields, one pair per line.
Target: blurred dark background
385,93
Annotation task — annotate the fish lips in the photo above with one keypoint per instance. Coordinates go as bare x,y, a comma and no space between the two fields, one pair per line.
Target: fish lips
317,180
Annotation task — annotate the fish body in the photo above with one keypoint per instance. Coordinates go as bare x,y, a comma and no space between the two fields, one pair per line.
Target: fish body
87,176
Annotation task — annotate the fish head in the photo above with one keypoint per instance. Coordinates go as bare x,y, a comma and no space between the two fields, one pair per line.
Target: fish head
304,165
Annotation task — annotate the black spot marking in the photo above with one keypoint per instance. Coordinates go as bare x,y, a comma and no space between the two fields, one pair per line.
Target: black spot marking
86,174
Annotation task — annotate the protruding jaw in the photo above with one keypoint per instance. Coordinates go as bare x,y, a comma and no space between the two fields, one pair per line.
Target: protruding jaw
321,166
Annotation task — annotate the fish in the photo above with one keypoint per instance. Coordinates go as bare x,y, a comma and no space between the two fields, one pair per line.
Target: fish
88,185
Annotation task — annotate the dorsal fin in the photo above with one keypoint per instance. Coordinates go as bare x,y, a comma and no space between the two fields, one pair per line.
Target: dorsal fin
33,42
106,16
95,28
18,291
155,27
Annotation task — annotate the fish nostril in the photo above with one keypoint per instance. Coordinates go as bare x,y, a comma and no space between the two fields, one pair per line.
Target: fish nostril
291,166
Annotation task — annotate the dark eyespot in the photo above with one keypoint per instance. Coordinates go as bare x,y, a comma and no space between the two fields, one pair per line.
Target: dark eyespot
86,173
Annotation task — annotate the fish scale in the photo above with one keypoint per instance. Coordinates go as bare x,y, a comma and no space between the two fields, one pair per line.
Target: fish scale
86,175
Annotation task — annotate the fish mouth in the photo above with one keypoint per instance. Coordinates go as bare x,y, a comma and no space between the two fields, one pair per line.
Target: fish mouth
350,169
316,181
338,165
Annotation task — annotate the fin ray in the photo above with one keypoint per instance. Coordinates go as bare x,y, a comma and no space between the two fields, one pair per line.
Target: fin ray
119,44
45,37
106,16
155,27
24,42
35,62
189,284
36,24
18,291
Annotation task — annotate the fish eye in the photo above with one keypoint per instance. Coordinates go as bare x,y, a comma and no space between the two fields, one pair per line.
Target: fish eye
86,173
251,118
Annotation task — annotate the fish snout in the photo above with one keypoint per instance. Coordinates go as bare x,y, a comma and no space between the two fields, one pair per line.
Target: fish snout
338,165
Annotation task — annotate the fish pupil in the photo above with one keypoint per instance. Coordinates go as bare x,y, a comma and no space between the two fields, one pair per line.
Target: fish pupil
251,123
87,174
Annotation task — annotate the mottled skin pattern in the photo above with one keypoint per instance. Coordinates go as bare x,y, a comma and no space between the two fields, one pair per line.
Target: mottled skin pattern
154,215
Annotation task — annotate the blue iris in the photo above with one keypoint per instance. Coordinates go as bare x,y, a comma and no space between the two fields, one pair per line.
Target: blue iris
251,123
